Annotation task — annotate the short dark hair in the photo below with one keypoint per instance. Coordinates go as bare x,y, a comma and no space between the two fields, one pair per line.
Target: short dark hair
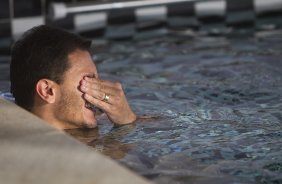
42,52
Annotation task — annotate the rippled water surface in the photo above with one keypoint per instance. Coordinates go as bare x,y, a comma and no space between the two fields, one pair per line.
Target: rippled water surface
212,108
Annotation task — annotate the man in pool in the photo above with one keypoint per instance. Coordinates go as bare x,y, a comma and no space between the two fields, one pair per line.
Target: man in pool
53,76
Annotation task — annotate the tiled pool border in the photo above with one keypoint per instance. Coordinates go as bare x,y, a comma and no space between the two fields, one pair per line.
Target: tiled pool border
34,152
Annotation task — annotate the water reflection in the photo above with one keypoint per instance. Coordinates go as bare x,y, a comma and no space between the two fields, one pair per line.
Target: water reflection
214,108
109,144
220,105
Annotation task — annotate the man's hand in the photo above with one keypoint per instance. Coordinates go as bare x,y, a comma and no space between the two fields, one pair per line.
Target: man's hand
109,97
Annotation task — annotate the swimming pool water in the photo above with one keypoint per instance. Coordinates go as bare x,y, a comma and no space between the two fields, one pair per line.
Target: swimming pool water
211,107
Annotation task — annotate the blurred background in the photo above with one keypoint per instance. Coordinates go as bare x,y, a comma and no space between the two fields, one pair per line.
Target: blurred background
124,19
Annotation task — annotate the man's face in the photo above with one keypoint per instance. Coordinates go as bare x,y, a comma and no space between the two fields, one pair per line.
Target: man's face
71,109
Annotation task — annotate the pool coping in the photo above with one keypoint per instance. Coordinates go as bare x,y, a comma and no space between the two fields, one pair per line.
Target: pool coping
32,151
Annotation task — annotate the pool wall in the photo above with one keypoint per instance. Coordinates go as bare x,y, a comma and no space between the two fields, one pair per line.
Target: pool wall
216,16
34,152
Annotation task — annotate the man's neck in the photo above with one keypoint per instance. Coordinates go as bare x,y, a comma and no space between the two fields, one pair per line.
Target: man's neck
44,112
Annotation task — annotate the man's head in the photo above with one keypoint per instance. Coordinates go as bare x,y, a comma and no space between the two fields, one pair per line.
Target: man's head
47,65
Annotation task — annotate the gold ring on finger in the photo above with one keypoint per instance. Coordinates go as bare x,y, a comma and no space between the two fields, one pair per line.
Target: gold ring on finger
106,98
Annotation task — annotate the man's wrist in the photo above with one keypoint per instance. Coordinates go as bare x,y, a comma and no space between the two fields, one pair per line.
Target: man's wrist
132,119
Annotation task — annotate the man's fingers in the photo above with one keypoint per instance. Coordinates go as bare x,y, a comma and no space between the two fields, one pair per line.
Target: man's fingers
108,96
100,95
97,87
95,80
98,103
96,94
102,83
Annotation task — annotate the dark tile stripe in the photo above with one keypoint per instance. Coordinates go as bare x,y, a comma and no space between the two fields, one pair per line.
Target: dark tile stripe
181,9
97,33
4,9
66,23
242,24
270,14
27,8
5,35
121,17
144,26
5,29
239,5
211,19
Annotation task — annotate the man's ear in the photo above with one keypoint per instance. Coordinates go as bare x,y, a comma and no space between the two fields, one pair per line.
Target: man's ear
46,90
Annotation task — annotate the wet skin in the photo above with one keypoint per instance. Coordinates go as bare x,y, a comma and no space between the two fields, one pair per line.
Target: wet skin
81,86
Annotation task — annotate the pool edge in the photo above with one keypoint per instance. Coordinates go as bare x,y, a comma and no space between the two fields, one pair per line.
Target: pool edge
32,151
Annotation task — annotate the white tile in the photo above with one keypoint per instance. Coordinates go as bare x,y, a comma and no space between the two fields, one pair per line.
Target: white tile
267,5
208,8
151,14
90,21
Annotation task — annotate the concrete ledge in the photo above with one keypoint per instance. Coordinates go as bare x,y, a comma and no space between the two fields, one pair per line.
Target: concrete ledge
34,152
